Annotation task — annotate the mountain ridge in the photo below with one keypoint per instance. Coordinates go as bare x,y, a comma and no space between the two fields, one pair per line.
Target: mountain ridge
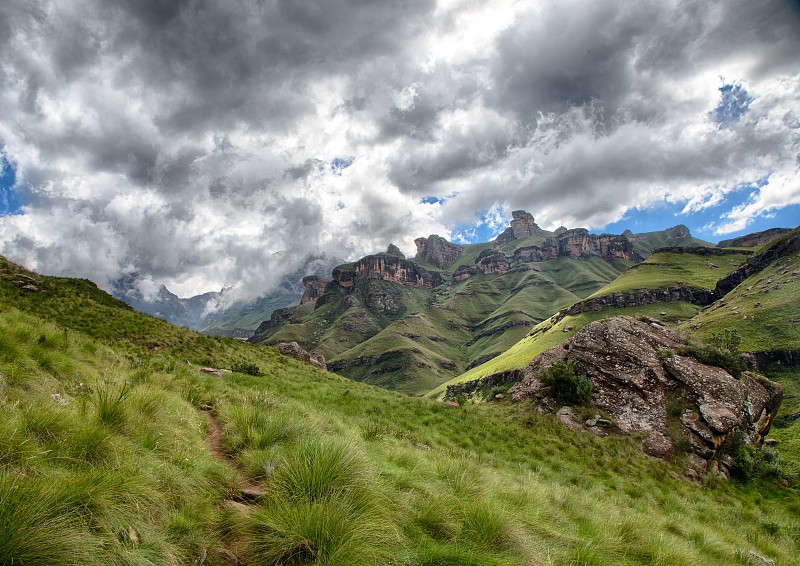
473,301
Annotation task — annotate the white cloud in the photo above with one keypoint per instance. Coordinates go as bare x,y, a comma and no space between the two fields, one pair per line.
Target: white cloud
189,142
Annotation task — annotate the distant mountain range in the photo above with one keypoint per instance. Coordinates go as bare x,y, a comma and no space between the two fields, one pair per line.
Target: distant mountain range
208,312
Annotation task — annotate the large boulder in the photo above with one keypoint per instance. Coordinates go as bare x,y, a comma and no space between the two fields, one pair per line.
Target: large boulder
640,381
294,350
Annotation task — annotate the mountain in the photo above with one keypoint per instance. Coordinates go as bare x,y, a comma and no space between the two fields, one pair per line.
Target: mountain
210,312
755,239
702,291
413,324
127,440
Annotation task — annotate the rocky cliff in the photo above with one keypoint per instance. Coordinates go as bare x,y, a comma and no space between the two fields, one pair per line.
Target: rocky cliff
314,288
437,250
782,247
522,226
385,267
576,243
644,385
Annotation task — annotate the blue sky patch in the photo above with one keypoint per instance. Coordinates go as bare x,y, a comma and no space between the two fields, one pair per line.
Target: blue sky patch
733,104
9,198
431,200
339,164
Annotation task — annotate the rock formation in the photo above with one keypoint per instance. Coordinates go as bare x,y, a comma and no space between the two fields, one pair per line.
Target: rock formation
315,287
639,380
395,251
437,250
294,350
386,268
781,248
678,232
577,243
522,226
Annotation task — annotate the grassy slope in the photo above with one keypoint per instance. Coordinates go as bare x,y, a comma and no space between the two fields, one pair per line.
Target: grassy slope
493,484
774,324
663,270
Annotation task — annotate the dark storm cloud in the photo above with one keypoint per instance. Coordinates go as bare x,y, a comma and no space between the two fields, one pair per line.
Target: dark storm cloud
565,56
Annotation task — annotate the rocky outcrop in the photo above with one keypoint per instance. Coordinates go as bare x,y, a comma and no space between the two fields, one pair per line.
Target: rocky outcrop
463,273
437,250
395,251
294,350
469,388
779,249
386,268
678,232
577,243
755,239
522,226
279,316
639,381
700,250
641,297
315,288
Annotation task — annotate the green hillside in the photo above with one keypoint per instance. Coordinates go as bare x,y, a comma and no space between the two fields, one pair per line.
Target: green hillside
764,308
438,333
116,449
646,243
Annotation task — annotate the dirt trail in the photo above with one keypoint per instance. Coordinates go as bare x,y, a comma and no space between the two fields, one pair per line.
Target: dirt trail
248,493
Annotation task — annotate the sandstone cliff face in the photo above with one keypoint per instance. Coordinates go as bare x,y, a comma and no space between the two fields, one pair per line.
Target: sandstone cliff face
522,226
315,287
437,250
637,379
386,268
576,243
678,232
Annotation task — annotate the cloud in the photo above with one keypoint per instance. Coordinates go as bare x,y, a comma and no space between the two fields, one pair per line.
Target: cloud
189,142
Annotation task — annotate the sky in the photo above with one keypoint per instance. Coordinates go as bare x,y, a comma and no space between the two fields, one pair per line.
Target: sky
205,144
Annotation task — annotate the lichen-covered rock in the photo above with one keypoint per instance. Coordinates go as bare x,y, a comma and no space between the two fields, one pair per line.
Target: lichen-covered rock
635,373
294,350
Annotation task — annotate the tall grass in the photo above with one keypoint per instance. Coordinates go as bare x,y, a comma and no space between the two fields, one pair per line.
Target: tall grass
40,526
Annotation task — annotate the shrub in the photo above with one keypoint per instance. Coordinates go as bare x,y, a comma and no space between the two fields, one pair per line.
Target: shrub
247,368
712,355
566,385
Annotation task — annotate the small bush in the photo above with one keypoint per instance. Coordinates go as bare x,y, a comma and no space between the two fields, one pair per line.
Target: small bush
566,385
247,368
721,350
751,462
